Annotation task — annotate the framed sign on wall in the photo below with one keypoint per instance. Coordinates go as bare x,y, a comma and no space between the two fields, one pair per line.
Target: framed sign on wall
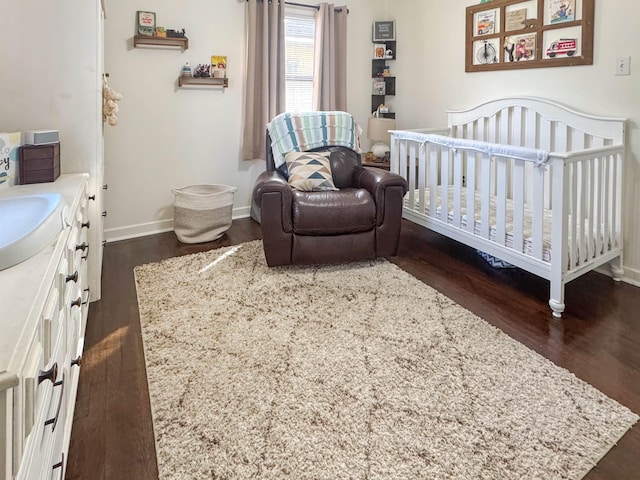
384,31
510,34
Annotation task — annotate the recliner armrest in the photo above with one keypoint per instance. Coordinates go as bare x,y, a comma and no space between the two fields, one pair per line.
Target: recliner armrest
378,182
375,180
271,182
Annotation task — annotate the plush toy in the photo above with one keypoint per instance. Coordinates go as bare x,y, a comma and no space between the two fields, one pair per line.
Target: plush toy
109,105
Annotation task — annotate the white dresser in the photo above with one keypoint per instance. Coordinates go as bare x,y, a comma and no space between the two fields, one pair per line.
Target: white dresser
44,303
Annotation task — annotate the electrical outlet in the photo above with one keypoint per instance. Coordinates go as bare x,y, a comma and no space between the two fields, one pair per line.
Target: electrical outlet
622,65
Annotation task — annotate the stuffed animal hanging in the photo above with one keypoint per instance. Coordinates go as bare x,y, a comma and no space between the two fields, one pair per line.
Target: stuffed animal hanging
109,105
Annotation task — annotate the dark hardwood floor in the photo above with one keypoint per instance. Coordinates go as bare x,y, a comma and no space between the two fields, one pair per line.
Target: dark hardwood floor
598,339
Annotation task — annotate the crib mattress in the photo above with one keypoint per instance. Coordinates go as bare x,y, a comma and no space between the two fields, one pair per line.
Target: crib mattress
527,247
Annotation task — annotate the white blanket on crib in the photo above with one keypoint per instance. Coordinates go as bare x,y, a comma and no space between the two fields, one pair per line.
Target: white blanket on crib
539,157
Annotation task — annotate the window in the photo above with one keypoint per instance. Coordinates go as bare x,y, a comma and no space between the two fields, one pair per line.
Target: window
299,39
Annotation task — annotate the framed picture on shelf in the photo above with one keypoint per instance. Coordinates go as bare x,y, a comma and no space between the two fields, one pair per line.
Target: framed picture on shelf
379,88
379,50
384,31
146,23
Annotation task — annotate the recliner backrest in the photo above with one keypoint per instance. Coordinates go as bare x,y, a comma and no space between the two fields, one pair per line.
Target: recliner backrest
344,163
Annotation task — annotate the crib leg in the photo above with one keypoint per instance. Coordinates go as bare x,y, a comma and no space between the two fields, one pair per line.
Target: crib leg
556,300
616,268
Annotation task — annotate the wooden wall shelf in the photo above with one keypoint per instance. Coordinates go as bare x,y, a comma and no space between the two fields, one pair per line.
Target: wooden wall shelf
377,67
208,81
182,42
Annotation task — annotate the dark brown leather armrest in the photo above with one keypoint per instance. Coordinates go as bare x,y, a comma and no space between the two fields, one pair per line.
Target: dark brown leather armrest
375,180
271,182
378,182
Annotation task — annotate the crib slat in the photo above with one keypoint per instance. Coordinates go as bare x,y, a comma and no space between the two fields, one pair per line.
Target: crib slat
485,195
402,169
472,158
575,216
591,211
422,176
584,210
501,199
518,205
599,206
436,152
445,158
457,187
608,201
537,216
411,169
616,195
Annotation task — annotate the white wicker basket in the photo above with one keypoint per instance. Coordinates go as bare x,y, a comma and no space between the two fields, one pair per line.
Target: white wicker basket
202,213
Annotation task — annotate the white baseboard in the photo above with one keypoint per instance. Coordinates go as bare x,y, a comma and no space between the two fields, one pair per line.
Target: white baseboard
160,226
632,276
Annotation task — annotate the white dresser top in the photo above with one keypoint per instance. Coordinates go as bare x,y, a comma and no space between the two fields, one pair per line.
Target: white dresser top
23,287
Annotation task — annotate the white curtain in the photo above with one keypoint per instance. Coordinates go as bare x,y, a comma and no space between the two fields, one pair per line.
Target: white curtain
330,82
265,83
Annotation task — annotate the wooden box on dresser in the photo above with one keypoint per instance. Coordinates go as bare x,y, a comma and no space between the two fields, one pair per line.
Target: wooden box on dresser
45,302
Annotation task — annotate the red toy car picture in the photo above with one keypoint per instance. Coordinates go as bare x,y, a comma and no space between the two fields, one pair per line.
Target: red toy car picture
564,46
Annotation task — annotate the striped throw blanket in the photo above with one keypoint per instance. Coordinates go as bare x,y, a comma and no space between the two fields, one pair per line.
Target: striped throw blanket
304,131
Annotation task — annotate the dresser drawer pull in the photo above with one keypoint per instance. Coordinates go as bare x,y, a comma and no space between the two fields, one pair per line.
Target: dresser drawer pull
73,277
54,421
50,374
77,302
86,224
91,197
77,361
88,292
60,465
86,255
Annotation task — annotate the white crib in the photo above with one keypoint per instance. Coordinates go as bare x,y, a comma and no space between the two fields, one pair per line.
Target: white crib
552,206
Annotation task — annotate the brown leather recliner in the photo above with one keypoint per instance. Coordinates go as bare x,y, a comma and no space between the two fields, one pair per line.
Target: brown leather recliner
359,221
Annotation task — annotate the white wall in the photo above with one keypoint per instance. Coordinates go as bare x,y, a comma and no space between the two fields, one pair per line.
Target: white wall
51,79
170,137
431,79
50,70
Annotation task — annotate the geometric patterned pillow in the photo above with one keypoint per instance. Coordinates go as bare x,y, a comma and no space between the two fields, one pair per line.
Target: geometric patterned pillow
310,171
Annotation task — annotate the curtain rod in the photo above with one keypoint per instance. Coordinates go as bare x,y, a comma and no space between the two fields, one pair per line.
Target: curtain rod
315,7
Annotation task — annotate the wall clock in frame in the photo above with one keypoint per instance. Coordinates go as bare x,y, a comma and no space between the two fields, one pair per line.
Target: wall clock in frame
512,34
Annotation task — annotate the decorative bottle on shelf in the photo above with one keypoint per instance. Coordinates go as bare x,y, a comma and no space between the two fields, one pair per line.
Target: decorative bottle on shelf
186,70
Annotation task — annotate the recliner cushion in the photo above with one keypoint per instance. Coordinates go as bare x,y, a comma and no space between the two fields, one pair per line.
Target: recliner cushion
349,210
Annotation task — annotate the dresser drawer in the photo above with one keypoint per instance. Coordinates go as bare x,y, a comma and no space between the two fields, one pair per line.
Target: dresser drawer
49,411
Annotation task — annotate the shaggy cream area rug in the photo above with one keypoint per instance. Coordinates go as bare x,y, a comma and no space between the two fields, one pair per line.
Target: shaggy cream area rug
358,371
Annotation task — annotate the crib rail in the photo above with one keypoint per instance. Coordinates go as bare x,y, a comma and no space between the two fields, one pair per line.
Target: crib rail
512,208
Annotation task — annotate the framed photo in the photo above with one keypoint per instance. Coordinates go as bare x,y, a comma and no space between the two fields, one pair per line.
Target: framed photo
485,23
146,23
379,88
513,19
379,50
384,31
562,11
520,48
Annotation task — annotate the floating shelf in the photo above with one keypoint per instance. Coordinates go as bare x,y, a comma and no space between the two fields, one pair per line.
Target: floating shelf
213,82
182,42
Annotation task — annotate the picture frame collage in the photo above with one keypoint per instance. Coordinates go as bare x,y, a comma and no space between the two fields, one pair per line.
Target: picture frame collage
510,34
